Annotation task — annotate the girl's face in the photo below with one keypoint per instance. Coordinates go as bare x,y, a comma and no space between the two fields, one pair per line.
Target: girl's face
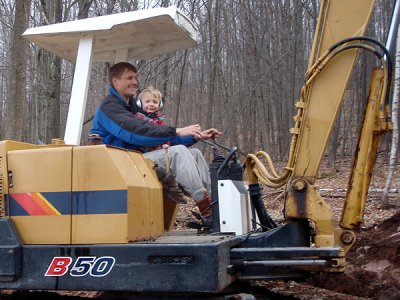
150,103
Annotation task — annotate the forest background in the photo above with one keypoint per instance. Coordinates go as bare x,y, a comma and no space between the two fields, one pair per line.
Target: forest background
243,78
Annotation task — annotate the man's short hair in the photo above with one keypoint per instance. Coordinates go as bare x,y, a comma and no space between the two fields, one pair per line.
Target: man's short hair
120,68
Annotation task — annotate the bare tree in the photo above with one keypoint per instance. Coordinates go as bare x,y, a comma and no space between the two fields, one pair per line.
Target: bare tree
48,87
395,132
12,127
84,6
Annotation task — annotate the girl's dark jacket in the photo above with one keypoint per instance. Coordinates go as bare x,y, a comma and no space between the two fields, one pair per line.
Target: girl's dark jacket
116,123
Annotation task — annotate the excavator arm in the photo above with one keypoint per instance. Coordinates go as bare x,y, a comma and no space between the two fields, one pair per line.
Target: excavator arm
338,38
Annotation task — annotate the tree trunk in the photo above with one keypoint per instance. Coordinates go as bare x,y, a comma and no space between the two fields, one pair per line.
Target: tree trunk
53,130
12,127
84,6
214,11
395,137
48,90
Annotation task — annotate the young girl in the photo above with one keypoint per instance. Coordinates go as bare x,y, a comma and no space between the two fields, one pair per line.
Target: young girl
150,103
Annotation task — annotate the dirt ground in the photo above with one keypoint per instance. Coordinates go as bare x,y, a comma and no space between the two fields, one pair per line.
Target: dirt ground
373,264
372,271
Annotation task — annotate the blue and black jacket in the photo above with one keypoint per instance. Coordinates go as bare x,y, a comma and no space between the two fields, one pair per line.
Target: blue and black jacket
115,122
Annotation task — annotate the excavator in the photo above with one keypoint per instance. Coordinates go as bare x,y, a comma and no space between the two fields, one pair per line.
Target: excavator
93,218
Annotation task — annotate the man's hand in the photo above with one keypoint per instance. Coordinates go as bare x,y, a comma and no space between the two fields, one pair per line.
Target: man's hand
197,133
193,130
210,133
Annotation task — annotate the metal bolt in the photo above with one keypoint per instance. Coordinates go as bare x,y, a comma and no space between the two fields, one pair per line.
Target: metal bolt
347,237
299,184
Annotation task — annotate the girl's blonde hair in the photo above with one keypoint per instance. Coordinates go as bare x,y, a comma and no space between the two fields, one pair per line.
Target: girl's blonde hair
153,91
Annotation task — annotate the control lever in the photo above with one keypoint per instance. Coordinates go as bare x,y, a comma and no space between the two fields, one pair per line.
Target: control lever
227,159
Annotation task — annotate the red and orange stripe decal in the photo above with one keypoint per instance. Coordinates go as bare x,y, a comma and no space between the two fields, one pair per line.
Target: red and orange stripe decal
35,204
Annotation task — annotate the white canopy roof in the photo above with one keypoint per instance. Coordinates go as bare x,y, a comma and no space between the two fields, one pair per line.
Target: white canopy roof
143,34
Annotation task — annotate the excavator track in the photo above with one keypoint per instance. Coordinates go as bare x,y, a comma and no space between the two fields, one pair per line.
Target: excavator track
247,292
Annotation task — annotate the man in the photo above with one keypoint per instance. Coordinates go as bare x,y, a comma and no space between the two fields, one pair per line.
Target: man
115,122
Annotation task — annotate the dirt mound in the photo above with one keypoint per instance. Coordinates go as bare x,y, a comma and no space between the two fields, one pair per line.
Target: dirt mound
373,268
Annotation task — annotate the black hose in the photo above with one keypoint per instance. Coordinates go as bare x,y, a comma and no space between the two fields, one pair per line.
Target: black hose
379,55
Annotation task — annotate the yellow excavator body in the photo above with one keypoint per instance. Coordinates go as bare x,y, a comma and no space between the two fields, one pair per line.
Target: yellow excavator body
80,194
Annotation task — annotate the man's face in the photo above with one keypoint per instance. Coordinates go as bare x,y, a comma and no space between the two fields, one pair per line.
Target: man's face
126,85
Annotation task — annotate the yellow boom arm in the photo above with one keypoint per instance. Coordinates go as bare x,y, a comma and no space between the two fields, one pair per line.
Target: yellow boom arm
330,67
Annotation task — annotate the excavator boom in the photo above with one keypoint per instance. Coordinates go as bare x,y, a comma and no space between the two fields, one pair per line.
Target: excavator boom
338,38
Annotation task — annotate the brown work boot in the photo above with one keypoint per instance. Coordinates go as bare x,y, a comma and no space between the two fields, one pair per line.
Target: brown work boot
172,191
205,216
204,206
